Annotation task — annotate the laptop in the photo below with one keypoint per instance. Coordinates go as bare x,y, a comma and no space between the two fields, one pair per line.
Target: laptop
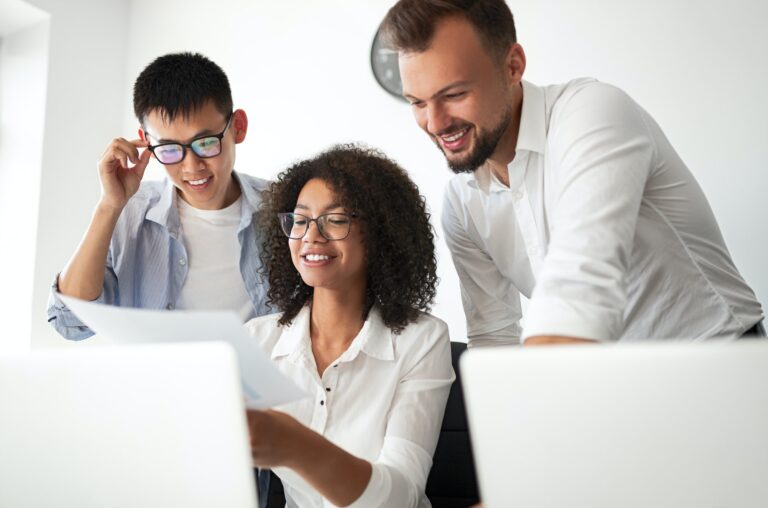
651,425
124,426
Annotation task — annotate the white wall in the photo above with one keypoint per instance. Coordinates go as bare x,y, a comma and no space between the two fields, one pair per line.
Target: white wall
83,111
23,71
300,68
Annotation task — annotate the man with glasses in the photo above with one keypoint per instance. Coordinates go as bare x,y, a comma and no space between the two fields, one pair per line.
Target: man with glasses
187,242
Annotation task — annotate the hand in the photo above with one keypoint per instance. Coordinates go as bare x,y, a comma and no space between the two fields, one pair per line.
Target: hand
275,438
119,182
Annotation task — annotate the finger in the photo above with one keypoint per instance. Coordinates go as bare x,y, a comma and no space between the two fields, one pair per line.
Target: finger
139,143
142,163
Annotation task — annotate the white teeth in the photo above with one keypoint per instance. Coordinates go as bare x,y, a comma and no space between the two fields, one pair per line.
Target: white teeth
316,257
454,137
199,182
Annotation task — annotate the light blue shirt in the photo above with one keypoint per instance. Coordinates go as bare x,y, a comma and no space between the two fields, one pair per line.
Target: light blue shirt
147,262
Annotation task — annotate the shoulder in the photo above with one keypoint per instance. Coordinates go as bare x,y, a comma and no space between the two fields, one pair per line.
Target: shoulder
252,182
425,332
135,211
589,97
264,324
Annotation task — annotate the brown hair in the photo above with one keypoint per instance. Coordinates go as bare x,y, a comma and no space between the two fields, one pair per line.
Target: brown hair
410,24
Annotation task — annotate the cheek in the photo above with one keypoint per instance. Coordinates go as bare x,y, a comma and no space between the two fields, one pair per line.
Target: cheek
294,246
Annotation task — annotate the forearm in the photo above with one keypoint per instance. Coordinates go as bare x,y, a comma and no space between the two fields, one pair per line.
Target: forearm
83,277
337,475
546,340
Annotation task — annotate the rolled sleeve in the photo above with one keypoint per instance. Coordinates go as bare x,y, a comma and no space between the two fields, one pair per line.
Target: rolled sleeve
64,320
602,153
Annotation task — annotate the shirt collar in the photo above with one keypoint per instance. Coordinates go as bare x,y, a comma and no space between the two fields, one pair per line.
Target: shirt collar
375,339
165,213
532,137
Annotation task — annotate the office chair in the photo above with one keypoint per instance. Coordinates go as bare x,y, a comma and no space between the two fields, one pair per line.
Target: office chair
452,482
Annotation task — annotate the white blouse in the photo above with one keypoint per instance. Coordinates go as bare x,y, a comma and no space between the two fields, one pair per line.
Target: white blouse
382,400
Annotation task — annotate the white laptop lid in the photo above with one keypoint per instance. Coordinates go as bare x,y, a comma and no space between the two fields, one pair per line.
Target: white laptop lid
661,425
124,426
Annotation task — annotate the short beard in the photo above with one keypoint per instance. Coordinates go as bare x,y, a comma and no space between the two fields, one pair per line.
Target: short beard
486,145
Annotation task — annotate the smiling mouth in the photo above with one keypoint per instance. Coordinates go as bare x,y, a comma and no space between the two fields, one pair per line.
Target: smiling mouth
455,140
202,182
316,257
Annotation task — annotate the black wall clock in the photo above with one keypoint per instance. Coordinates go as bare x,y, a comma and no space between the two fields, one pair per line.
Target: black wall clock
384,66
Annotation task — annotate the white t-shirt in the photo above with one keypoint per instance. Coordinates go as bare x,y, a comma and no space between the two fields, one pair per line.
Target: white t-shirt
214,281
382,400
602,226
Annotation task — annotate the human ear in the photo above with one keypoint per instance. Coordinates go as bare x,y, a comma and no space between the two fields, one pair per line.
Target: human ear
239,125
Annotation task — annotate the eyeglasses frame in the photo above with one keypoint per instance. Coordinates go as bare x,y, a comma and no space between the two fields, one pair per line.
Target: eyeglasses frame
310,220
185,146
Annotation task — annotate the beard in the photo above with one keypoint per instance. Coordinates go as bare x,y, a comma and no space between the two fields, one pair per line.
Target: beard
485,144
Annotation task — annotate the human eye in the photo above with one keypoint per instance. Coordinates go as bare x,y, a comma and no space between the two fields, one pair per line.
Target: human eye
337,219
168,153
455,95
299,220
207,146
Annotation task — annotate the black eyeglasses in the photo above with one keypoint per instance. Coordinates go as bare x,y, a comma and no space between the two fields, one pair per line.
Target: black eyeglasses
333,226
204,147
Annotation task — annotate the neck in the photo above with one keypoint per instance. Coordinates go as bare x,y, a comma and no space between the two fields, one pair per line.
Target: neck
336,317
507,148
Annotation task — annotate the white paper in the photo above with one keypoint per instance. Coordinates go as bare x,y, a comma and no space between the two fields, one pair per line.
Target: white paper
263,384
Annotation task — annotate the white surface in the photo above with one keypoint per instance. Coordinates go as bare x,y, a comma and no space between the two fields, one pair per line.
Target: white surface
149,426
18,15
23,74
301,70
263,385
663,425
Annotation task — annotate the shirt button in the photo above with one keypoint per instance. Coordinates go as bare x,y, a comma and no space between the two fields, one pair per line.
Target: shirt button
182,261
327,389
169,306
335,365
322,402
516,195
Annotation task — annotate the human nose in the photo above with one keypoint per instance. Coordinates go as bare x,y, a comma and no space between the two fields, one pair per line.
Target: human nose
191,162
437,118
313,234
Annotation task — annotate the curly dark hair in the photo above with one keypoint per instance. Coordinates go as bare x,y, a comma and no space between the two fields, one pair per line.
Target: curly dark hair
399,240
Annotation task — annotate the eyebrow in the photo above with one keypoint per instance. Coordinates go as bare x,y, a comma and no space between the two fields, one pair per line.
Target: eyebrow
328,207
441,91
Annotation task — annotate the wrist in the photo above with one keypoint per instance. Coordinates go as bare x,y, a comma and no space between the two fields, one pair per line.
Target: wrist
107,209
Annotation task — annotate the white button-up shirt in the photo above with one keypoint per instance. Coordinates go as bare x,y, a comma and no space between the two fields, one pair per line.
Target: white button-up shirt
602,226
382,400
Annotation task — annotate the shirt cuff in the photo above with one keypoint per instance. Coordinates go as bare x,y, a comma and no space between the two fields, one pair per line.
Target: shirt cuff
378,488
556,316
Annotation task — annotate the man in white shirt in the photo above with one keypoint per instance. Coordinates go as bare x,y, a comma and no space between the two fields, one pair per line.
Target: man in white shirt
569,194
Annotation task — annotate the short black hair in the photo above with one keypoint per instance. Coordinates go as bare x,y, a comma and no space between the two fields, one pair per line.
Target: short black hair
179,84
401,267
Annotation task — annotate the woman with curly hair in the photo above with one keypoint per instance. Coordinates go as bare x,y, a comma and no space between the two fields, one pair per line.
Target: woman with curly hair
350,256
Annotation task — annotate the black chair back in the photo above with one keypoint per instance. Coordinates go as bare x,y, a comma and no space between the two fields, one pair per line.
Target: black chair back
452,482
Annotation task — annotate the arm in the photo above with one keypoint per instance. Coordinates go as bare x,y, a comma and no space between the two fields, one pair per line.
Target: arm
83,277
601,154
491,302
338,476
398,476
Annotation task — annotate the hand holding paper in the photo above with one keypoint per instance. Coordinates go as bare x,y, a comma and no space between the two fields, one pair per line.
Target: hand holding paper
263,385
